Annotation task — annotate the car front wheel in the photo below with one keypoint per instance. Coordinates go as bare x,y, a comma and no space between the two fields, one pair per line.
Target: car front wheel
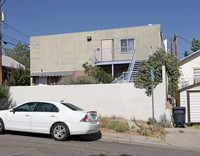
1,126
60,132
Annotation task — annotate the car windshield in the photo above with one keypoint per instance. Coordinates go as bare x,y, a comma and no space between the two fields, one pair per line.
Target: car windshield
72,107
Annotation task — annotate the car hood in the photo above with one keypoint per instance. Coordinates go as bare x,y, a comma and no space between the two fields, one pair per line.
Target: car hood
3,112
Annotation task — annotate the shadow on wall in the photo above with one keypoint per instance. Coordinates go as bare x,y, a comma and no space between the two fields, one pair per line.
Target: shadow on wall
7,104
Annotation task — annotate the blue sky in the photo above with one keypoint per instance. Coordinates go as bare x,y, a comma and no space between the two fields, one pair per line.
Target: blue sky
25,18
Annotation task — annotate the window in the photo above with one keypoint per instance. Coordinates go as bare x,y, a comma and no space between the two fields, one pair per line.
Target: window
127,45
47,107
28,107
196,75
72,107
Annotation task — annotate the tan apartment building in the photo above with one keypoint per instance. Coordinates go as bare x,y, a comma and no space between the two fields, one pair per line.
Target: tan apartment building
54,56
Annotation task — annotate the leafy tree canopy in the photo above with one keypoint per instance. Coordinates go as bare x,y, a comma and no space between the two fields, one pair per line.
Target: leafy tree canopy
195,47
4,96
157,60
99,74
20,53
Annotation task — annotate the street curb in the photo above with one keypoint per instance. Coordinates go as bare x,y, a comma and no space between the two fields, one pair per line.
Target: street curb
132,139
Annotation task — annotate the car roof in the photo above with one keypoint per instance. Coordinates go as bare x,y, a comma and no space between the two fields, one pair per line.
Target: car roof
46,101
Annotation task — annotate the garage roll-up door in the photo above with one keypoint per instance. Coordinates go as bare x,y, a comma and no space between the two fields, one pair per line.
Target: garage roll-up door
194,106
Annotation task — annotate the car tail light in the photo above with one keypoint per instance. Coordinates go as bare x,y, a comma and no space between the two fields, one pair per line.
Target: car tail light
85,119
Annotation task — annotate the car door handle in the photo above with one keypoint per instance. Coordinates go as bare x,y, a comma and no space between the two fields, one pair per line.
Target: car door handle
27,115
53,116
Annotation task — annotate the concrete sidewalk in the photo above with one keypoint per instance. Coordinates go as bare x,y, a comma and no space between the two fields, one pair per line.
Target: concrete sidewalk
132,139
188,138
182,138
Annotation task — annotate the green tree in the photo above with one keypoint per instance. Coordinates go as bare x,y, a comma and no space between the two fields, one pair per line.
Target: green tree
186,53
20,53
195,45
19,77
4,96
157,60
98,73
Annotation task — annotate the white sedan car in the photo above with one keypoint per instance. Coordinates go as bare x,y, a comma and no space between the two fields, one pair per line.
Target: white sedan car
56,118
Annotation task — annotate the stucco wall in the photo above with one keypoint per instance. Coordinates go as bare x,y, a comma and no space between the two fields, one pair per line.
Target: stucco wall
108,99
67,52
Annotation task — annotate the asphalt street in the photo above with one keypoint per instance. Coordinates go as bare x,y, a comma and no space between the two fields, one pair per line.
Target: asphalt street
27,144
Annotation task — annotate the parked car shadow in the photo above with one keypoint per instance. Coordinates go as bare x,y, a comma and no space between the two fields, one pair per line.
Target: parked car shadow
29,134
86,138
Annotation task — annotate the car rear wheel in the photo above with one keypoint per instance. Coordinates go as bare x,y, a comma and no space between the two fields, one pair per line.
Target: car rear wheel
1,126
60,132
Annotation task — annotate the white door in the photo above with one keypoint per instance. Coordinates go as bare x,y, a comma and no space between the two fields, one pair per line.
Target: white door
107,49
44,117
20,118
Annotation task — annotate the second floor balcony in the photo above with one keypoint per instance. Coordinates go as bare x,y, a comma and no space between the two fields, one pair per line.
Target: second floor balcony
187,81
113,54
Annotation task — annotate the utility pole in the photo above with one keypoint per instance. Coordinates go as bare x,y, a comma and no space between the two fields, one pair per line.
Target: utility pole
171,46
1,73
176,49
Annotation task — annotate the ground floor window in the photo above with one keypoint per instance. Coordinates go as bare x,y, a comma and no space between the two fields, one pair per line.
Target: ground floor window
46,80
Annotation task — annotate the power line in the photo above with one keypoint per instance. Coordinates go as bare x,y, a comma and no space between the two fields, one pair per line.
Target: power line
18,31
9,5
43,19
25,21
6,42
13,39
187,41
29,17
38,28
42,28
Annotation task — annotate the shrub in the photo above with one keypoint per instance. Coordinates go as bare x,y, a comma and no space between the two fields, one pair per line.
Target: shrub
103,122
4,96
151,121
164,122
117,126
67,80
121,127
143,132
98,73
112,124
4,91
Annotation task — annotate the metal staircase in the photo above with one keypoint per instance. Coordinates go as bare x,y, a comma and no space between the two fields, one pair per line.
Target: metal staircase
132,73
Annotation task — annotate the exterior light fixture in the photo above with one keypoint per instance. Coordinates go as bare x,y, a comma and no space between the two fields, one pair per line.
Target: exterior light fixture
89,38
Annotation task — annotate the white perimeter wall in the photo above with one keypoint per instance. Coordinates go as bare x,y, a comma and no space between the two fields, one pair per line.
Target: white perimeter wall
107,99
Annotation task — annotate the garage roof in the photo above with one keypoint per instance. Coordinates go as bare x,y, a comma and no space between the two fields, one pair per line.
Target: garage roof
191,56
10,62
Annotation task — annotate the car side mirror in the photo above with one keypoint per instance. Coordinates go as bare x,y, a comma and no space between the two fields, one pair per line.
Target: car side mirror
13,110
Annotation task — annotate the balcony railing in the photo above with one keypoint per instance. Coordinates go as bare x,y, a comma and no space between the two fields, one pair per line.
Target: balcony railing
187,81
113,54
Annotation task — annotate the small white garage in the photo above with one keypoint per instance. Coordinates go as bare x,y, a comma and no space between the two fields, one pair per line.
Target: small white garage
189,97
